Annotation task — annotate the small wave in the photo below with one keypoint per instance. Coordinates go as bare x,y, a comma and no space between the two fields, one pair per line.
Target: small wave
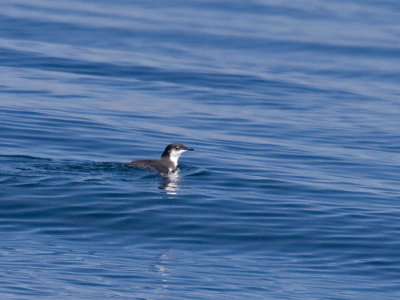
22,157
198,172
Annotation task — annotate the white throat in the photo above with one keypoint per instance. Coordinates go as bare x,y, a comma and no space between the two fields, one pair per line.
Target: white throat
174,156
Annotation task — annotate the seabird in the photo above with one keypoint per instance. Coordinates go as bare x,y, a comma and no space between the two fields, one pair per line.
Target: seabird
168,161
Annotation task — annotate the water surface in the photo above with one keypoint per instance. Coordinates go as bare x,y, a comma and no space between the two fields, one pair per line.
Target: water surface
292,191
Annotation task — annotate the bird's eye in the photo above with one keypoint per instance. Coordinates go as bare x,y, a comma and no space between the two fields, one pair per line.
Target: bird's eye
178,148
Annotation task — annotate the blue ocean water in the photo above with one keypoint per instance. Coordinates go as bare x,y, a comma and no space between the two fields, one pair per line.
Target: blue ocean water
292,191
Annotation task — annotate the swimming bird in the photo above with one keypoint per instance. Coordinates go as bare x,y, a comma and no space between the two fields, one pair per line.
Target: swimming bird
168,161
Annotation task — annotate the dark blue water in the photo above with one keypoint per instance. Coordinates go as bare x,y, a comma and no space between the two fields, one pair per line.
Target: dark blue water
292,191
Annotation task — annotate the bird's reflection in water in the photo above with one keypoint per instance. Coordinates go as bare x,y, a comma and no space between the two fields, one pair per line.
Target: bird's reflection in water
170,182
165,262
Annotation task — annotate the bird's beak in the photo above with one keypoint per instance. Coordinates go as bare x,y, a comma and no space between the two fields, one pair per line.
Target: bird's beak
189,149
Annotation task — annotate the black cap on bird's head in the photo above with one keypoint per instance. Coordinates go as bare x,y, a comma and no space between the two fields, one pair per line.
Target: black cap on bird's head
175,148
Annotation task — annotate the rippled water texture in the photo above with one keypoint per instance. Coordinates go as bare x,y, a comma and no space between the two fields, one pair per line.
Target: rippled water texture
292,191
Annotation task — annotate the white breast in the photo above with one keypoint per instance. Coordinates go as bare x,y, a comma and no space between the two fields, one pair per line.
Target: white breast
174,156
